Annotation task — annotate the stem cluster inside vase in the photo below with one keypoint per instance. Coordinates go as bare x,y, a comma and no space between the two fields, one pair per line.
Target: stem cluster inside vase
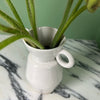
45,36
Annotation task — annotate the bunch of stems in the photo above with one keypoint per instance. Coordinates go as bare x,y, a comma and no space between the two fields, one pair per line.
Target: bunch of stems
18,31
67,20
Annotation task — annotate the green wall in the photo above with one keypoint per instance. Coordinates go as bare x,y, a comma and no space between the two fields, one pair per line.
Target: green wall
50,12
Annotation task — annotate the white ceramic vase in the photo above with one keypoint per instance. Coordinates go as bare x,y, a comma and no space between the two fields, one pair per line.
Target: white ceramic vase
45,67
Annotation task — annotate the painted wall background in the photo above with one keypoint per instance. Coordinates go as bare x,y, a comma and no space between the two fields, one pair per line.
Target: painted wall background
50,13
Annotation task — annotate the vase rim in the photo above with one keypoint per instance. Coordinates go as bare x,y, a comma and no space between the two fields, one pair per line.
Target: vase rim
44,27
50,49
44,50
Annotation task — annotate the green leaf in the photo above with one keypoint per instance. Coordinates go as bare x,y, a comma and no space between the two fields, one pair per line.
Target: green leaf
8,29
76,7
13,38
83,8
30,43
14,12
36,42
67,11
31,15
65,17
29,11
10,20
10,40
58,36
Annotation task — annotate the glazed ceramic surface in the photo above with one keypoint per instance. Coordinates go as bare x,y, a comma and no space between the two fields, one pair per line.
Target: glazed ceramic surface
44,71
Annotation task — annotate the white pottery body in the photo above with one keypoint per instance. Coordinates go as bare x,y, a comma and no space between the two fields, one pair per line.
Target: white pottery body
43,71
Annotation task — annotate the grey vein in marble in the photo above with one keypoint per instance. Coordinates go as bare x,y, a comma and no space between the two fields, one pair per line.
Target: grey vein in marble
66,92
97,84
88,68
12,69
40,97
75,76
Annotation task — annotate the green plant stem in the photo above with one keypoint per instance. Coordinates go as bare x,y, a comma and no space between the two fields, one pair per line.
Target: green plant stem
10,20
58,36
31,14
36,43
15,12
32,7
16,15
9,40
13,38
69,4
8,29
66,13
30,43
76,7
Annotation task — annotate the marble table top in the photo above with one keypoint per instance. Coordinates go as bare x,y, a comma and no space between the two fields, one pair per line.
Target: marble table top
82,82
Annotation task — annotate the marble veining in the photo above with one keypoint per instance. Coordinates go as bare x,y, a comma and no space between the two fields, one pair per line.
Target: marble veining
88,68
66,92
12,69
59,90
82,82
8,65
40,97
97,85
75,76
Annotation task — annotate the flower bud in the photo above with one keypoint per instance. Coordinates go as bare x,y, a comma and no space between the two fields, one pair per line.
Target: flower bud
92,5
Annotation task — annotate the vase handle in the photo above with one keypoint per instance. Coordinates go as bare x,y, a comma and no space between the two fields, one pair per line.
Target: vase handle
63,63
